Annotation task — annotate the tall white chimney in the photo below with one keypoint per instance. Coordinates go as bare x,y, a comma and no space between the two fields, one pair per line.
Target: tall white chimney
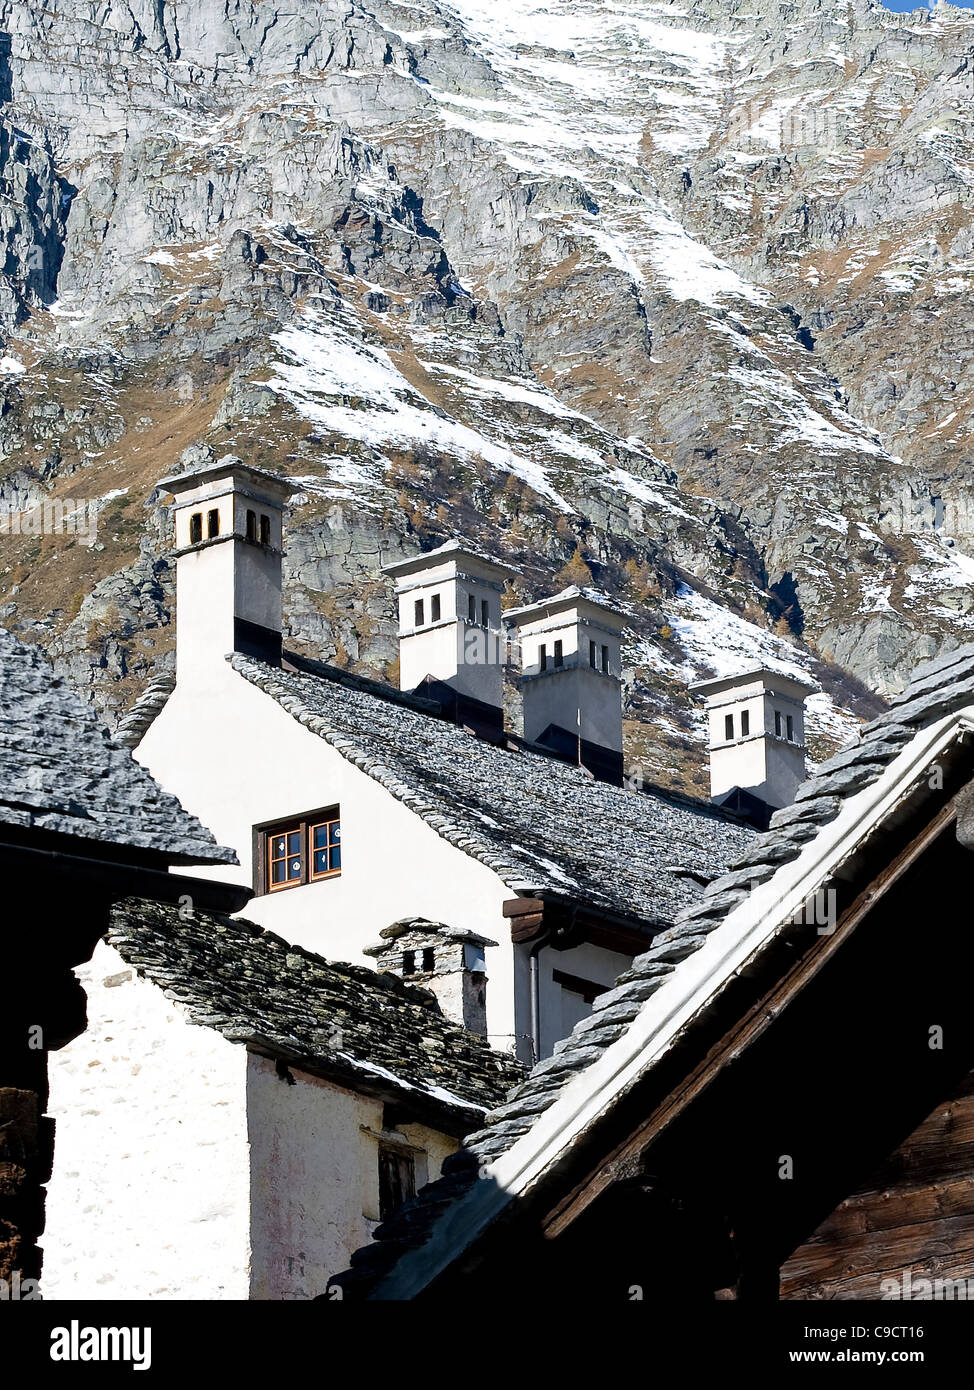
451,646
571,687
229,539
756,735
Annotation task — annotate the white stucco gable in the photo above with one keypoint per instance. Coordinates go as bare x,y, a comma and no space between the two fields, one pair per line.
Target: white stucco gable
237,760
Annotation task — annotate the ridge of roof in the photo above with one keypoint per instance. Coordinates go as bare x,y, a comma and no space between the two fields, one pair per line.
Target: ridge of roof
350,1023
61,771
937,689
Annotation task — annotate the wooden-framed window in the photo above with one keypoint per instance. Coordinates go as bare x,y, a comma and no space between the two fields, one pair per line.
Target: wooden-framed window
397,1178
196,528
295,852
325,847
212,523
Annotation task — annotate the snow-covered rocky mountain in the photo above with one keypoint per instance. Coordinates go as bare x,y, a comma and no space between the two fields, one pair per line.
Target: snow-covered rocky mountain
672,295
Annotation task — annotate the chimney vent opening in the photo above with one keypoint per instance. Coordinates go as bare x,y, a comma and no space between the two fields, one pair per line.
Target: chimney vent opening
265,529
435,608
196,528
212,523
252,526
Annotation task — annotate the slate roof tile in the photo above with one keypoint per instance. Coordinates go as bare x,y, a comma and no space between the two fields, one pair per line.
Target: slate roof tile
357,1027
61,771
540,824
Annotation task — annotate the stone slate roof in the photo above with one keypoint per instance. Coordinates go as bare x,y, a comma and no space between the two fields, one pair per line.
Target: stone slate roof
60,770
937,688
358,1028
133,725
540,824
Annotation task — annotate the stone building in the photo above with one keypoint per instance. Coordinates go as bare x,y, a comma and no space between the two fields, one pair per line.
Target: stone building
240,1114
352,804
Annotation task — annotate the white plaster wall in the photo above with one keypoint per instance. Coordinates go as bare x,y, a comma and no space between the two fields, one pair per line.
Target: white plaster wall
561,1009
315,1177
236,759
575,698
150,1192
742,763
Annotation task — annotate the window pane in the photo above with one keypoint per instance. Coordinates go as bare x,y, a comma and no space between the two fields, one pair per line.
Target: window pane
294,868
294,842
321,861
277,871
320,834
336,831
280,847
336,858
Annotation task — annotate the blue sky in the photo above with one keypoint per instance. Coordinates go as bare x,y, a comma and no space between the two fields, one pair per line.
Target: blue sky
919,5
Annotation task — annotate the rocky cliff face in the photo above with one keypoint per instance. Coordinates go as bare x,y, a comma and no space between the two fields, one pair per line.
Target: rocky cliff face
672,295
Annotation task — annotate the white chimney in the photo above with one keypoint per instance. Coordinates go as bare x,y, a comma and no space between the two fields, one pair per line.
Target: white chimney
451,646
448,961
229,530
757,735
571,663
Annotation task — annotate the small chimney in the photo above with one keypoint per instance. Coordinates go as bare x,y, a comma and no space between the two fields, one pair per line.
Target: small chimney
451,647
757,738
229,539
571,662
448,961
